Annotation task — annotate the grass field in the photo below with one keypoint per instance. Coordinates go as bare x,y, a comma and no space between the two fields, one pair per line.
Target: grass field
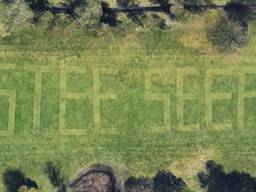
139,102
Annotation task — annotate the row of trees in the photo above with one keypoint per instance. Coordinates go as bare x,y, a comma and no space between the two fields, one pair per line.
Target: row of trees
213,179
231,28
19,13
87,13
163,181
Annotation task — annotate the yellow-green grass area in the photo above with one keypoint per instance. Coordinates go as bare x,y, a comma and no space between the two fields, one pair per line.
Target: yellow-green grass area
140,102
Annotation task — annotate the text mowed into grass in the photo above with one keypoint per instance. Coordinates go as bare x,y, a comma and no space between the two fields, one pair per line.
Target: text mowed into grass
80,100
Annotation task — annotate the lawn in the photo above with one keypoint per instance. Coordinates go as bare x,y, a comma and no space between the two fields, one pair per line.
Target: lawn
140,102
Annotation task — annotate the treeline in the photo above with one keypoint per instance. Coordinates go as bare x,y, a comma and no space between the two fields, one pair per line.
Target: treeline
90,13
18,13
100,177
230,30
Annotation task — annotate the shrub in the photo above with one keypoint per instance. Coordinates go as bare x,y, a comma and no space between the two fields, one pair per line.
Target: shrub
138,184
87,13
165,181
26,189
15,14
46,21
216,180
226,34
3,30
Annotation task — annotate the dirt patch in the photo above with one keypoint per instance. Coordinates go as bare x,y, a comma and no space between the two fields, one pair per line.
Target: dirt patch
188,167
98,178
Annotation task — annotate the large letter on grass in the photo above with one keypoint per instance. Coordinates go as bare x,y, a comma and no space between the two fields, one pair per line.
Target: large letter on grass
210,96
11,95
98,96
38,71
243,94
66,95
181,96
165,98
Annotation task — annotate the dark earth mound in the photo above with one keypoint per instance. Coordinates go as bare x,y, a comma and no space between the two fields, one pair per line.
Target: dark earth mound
98,178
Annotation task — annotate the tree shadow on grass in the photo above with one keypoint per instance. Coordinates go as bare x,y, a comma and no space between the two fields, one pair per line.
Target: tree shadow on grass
13,179
215,179
53,171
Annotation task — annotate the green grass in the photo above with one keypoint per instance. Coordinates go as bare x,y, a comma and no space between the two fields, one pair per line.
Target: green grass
129,139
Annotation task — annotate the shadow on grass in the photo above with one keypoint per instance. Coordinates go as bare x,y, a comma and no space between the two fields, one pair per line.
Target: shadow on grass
215,179
13,179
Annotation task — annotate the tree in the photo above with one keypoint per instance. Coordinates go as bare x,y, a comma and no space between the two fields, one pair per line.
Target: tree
15,14
135,16
163,3
38,5
56,178
126,3
226,34
239,10
216,180
86,13
138,184
165,181
196,6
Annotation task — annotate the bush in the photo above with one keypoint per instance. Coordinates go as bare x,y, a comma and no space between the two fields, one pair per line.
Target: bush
54,174
46,21
165,181
226,34
3,30
216,180
87,13
15,14
138,184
